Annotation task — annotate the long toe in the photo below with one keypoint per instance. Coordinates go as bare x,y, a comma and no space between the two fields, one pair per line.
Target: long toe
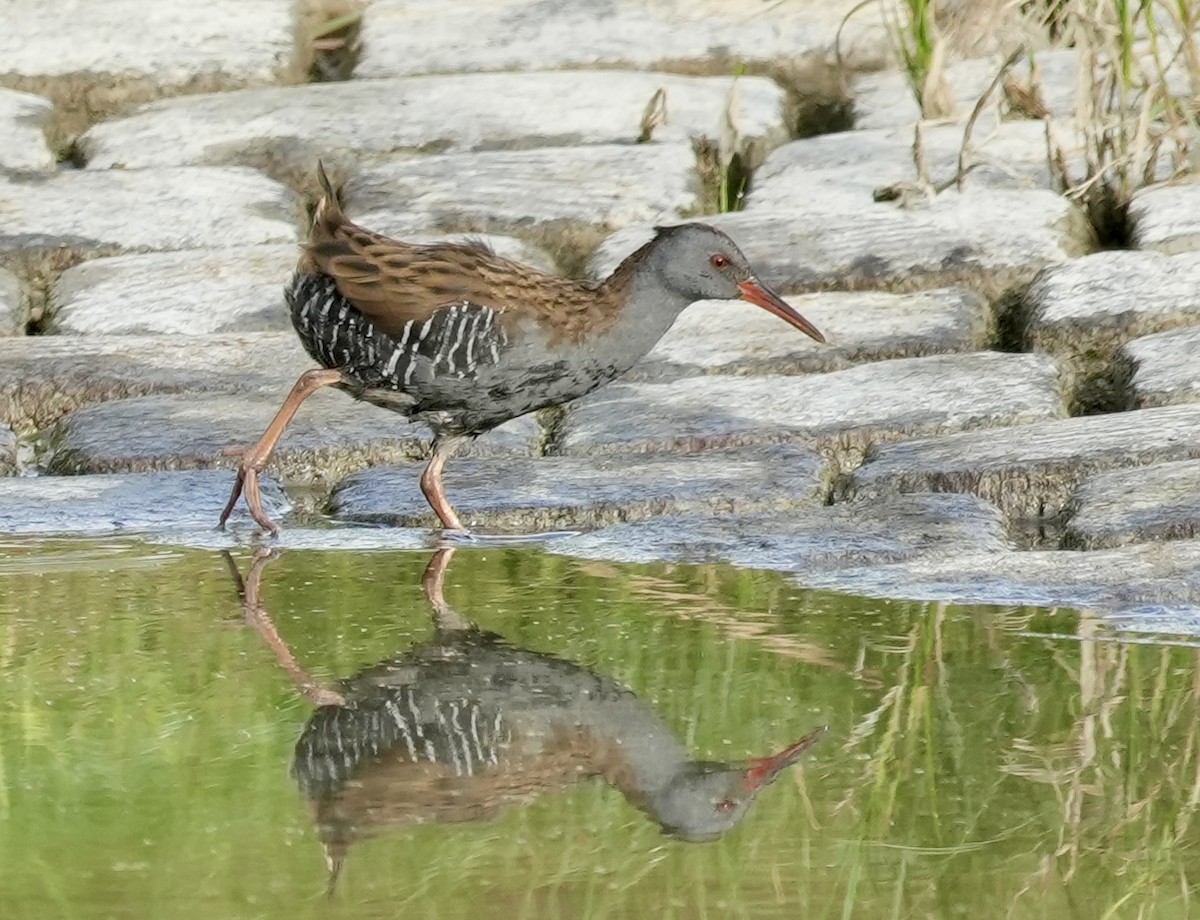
254,503
234,495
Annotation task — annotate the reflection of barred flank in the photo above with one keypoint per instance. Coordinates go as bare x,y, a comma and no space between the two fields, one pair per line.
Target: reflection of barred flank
338,740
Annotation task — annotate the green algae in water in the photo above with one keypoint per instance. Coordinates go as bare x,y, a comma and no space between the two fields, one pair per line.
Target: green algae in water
970,769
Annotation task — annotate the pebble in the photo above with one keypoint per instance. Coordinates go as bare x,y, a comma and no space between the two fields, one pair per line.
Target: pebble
859,327
559,492
844,413
1158,502
1029,471
1163,367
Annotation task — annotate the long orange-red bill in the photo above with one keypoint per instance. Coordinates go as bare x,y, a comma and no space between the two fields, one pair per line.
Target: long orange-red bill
764,769
762,296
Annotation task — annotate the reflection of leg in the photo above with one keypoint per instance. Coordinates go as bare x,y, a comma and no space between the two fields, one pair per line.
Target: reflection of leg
256,615
431,482
256,458
433,581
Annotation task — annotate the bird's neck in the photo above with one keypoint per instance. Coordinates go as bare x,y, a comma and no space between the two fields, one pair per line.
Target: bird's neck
644,310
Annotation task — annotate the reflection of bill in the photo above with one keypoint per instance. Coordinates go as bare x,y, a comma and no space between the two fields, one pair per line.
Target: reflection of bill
465,724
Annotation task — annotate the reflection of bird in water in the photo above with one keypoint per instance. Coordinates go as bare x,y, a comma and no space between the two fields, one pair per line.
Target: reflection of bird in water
465,724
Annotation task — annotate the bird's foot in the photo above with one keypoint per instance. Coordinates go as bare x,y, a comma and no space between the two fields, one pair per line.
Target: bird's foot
247,484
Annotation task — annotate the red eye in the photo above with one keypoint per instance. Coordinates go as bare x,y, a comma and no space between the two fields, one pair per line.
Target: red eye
720,260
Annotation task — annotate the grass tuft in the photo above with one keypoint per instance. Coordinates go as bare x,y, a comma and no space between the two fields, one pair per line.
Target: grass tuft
914,32
330,31
726,166
1135,113
653,115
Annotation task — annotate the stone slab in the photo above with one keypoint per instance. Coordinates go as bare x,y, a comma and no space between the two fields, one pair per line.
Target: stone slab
843,413
12,305
89,213
530,191
191,292
827,537
123,504
556,492
987,240
299,534
1154,584
1086,309
286,129
1165,218
330,437
176,43
22,125
1032,471
1102,300
8,451
884,99
1164,368
44,377
427,36
851,165
719,337
1158,502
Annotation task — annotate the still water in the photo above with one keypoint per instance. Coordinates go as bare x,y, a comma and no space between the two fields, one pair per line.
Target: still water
489,733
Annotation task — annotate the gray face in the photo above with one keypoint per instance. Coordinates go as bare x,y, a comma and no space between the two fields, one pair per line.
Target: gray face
701,263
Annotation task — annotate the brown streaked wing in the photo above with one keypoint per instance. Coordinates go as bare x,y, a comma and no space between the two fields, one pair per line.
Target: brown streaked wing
394,282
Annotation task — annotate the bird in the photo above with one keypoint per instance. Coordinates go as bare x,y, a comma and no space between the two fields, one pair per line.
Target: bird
464,725
457,337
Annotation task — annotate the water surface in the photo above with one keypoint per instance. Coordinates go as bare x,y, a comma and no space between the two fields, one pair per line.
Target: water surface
980,762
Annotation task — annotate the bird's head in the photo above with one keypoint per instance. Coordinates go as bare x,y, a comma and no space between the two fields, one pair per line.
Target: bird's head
703,263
